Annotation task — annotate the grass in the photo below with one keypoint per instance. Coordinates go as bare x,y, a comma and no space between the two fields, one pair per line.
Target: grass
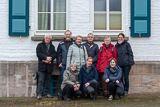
132,100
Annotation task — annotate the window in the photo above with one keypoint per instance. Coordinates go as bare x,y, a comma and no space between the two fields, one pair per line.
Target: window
51,15
108,15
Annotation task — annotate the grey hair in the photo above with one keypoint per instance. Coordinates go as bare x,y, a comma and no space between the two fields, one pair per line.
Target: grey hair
107,38
47,35
73,63
90,34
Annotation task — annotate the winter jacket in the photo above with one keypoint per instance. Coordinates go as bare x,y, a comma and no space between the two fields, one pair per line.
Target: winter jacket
124,53
104,56
114,76
42,54
85,77
92,52
69,78
76,54
62,51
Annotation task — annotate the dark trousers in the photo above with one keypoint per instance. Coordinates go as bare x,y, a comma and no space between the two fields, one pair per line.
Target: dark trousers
114,89
68,92
125,75
44,83
105,91
92,88
62,71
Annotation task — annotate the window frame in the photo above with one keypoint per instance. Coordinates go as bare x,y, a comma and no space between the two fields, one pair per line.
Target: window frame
51,31
109,32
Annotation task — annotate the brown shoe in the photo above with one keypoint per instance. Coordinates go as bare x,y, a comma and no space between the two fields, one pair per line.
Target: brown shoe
39,97
48,96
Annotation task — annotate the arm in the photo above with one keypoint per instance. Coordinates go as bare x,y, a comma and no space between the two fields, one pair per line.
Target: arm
114,53
69,56
80,76
54,53
39,54
99,58
105,76
86,55
59,55
66,79
97,51
130,53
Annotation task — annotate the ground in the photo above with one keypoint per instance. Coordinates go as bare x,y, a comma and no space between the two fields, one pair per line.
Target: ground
132,100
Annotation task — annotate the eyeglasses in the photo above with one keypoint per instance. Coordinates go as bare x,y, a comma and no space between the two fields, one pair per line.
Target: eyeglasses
90,37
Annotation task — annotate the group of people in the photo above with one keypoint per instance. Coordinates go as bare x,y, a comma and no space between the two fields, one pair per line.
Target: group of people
82,65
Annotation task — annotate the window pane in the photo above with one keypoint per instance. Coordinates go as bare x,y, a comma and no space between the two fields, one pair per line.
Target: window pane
59,21
99,5
100,21
43,21
44,5
115,22
59,6
114,5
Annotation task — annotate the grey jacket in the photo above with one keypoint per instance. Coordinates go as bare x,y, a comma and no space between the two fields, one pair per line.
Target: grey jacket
77,55
69,78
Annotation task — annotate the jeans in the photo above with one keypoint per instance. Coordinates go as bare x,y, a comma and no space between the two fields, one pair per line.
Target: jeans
44,83
62,71
92,88
125,74
114,89
69,92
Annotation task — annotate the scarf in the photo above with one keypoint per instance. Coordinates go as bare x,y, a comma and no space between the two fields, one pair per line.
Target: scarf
114,69
78,45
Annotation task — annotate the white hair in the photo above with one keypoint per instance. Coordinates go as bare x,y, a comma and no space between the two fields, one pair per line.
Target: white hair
107,38
47,35
90,34
73,63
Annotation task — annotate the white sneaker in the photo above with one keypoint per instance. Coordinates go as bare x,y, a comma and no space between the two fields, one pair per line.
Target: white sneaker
110,97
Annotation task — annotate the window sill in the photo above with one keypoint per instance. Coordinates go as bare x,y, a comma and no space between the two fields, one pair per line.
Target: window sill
61,37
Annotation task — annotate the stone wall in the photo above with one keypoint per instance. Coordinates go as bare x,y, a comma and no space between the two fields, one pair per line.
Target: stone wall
16,78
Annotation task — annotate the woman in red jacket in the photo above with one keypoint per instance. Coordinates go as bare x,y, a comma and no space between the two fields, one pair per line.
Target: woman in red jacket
106,51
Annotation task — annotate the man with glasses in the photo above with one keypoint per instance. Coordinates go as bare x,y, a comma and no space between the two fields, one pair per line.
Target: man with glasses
62,51
92,48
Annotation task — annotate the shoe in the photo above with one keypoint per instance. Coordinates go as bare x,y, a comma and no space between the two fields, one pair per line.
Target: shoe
59,96
48,96
116,97
39,97
94,97
125,93
110,97
88,96
67,99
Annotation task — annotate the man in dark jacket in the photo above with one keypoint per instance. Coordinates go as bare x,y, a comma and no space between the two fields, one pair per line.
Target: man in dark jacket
92,48
62,51
46,54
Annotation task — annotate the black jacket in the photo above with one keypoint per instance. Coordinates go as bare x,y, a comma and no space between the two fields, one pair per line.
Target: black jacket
62,51
92,52
42,53
124,54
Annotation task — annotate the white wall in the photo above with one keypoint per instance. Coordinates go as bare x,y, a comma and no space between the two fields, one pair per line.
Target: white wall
23,49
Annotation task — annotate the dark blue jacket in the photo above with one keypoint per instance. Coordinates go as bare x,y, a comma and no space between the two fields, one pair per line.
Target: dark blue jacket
92,52
113,76
124,54
85,77
62,51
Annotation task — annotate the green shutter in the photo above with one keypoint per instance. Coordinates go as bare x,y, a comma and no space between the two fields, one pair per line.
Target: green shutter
140,18
18,17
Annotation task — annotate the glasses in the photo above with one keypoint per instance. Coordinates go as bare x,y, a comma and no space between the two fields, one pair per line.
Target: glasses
90,37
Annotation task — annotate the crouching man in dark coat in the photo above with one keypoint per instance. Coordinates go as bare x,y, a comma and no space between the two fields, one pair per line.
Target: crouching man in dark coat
46,54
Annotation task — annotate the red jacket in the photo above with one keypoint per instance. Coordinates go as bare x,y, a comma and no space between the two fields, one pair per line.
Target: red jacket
104,56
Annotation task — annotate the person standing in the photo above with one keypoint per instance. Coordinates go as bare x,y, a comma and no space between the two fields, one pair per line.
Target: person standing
46,54
92,48
62,51
77,53
125,60
106,51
